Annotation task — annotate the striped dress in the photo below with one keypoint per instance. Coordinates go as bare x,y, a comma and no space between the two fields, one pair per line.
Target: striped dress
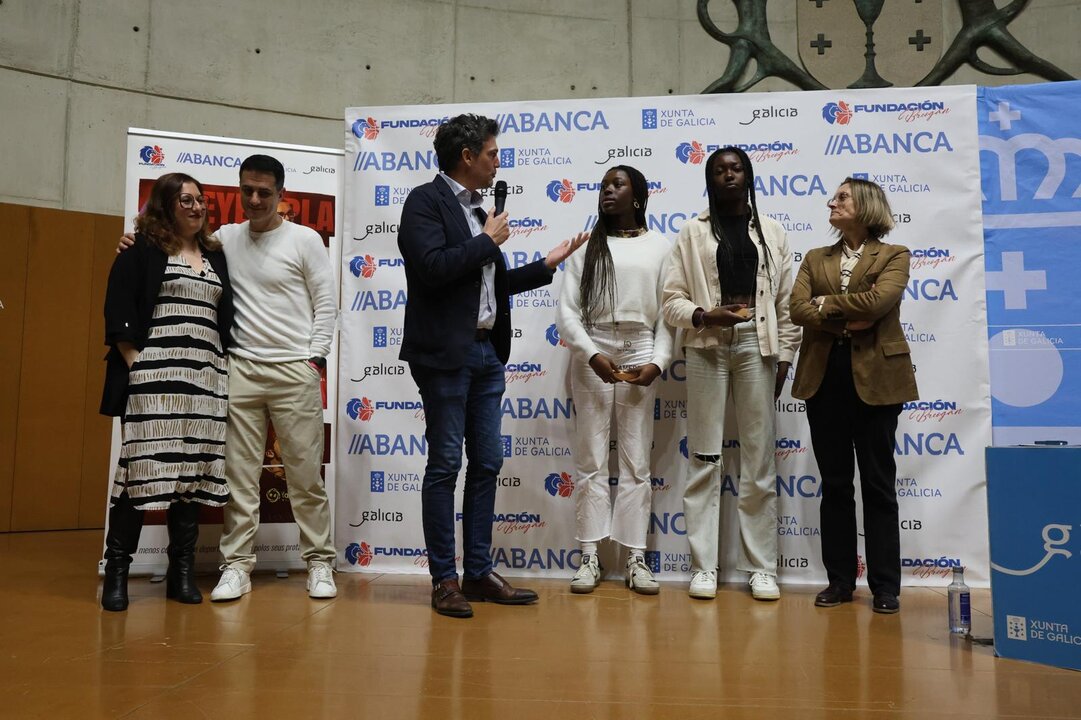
178,390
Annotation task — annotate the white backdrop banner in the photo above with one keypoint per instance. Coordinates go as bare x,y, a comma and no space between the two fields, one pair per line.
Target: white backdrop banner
313,191
919,144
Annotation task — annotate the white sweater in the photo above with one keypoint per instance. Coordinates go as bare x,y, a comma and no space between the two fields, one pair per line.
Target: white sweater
640,264
283,290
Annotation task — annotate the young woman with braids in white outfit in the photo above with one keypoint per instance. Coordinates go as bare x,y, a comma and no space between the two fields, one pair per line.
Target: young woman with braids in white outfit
610,316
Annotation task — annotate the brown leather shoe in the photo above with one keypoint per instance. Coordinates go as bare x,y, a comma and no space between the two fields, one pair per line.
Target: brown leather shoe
495,589
447,599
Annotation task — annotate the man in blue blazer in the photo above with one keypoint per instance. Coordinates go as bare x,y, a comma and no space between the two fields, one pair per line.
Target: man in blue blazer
456,341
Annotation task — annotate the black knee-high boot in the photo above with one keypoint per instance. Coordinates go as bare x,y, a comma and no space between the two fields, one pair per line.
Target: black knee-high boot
183,523
121,542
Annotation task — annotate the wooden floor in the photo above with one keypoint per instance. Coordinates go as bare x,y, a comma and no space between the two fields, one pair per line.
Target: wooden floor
378,651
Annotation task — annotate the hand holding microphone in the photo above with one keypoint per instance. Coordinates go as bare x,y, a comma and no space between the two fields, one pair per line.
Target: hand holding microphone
495,226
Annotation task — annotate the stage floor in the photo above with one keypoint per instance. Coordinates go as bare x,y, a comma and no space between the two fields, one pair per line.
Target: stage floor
379,651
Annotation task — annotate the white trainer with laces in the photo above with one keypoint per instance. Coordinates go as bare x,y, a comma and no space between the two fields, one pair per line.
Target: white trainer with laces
703,585
764,586
588,576
321,580
232,585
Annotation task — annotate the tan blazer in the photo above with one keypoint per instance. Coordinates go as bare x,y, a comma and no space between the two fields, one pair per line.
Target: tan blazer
881,360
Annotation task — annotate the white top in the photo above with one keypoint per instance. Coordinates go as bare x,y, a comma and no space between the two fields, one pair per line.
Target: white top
283,292
640,265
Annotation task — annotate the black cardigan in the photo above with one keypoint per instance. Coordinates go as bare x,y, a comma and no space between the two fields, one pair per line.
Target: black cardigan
134,284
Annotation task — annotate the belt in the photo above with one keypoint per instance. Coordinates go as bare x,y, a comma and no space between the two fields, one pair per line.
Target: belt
482,334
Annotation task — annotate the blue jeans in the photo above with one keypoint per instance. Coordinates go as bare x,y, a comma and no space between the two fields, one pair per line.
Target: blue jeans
461,405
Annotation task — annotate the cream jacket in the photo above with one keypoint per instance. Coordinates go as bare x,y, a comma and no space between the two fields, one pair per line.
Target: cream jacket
693,282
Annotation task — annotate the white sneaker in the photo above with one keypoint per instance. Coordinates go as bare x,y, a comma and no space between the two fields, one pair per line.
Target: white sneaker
764,586
233,584
639,577
321,580
703,585
588,576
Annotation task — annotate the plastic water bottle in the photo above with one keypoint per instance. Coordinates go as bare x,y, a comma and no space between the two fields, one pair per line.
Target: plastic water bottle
960,609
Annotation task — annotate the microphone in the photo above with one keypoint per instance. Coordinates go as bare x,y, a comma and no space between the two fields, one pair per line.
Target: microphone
500,196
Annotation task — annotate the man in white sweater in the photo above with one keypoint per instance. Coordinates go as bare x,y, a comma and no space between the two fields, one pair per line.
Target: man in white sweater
285,315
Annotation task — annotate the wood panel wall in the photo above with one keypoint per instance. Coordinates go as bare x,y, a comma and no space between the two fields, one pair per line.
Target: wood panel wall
54,446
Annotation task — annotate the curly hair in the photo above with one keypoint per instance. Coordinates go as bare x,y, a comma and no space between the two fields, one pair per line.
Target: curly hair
157,220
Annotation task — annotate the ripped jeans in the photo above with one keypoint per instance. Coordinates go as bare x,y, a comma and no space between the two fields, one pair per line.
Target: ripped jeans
736,370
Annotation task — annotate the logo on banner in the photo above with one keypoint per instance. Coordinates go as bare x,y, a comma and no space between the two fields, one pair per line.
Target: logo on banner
152,155
511,157
553,121
931,410
694,152
559,485
380,370
560,191
359,554
914,335
790,525
386,336
894,182
771,111
362,266
382,195
366,128
941,566
804,486
362,553
385,444
649,118
506,157
888,143
523,372
377,300
913,488
229,161
931,257
363,408
841,113
379,515
624,152
690,152
360,409
930,289
934,444
682,117
365,265
1054,153
395,482
667,524
378,229
1055,536
395,161
507,442
552,336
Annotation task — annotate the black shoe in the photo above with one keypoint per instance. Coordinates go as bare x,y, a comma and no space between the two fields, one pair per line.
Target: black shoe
886,603
121,542
833,596
183,523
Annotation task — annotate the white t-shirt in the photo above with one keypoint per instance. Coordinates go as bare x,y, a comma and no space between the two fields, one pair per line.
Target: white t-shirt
283,290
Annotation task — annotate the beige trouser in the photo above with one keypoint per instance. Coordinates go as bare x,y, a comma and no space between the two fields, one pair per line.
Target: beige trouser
288,395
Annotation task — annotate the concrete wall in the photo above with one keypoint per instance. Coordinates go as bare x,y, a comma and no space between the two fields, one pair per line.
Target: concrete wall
74,74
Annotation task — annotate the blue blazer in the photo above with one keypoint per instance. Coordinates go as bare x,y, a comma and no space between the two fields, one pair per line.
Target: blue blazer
443,262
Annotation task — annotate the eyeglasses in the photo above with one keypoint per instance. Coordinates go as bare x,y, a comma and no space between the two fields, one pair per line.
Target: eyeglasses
188,201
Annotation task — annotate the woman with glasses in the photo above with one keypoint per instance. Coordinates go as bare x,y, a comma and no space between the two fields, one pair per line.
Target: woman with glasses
727,288
855,372
168,309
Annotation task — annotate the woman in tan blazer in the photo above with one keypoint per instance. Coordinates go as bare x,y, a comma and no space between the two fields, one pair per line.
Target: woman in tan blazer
855,372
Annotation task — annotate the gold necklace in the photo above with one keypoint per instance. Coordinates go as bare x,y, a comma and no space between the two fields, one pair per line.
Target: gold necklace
636,232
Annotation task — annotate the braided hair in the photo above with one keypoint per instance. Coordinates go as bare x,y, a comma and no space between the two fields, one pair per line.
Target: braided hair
752,201
598,272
